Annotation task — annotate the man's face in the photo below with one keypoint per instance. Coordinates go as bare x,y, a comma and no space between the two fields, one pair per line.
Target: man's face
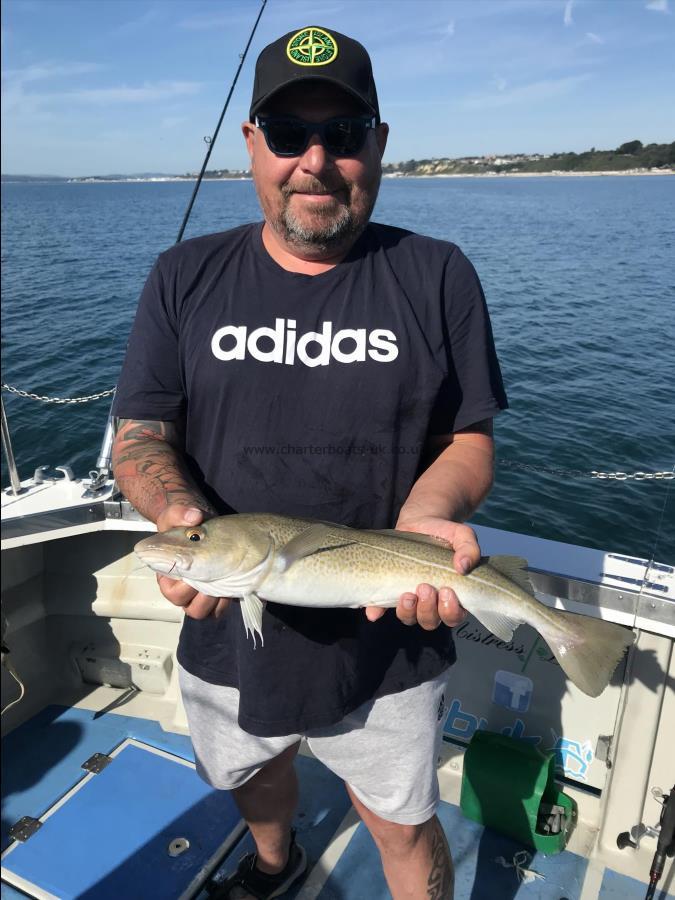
316,203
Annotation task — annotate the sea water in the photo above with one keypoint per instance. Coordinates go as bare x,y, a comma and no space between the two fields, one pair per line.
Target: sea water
579,275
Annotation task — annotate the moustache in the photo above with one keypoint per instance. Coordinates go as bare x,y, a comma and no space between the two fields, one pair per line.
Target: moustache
313,187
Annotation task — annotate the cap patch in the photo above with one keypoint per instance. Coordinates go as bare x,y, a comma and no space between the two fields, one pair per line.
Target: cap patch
312,47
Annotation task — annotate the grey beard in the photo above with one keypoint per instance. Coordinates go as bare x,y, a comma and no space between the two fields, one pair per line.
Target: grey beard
324,235
333,234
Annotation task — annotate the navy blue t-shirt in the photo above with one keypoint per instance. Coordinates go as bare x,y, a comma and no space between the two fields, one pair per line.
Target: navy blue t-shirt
311,395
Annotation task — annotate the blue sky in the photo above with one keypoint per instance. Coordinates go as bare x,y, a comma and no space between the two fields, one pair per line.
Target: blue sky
107,86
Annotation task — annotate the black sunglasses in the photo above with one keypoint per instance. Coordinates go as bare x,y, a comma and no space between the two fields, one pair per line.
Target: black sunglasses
341,136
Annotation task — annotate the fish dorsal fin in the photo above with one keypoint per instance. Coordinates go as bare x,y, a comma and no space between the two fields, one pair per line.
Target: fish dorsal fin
414,537
514,568
502,626
251,612
312,540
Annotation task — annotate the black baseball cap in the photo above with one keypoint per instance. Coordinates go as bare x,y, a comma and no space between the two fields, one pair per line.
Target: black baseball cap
314,53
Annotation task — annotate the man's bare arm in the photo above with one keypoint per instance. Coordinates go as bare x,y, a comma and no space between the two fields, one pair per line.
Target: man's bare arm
459,478
442,498
150,468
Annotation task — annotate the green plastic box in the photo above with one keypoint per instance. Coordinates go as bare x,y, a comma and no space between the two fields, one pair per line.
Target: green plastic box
504,784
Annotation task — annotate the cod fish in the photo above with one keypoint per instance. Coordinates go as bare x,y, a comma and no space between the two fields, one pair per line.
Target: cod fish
301,562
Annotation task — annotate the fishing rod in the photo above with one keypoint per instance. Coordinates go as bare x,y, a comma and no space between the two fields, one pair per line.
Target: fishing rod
665,845
210,141
99,475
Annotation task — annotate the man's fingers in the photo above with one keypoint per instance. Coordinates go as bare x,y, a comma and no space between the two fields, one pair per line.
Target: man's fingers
406,608
467,550
194,604
373,613
175,515
427,607
449,608
177,592
222,604
202,606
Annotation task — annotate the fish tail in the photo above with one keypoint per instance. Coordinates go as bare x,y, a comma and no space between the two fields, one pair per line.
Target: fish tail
588,650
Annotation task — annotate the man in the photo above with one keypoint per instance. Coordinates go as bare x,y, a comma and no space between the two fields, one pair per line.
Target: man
325,367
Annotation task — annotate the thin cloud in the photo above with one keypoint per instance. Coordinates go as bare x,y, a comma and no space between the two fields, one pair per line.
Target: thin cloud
438,34
146,93
431,35
658,6
528,93
172,121
201,23
594,38
48,70
301,13
210,21
18,100
139,24
567,17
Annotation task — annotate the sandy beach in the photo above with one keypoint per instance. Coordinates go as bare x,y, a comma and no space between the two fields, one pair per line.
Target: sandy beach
554,173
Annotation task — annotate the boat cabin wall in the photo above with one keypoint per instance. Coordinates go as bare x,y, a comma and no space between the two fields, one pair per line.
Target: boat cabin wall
86,625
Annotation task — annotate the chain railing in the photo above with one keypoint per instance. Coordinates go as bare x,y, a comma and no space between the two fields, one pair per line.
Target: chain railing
584,473
28,395
505,463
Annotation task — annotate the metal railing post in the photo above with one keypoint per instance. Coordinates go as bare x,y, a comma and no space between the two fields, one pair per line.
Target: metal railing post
14,479
101,473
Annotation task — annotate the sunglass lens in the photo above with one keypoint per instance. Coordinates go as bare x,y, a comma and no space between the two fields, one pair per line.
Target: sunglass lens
286,137
341,136
345,137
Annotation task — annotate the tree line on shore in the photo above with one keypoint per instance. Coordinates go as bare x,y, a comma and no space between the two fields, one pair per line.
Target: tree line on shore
630,155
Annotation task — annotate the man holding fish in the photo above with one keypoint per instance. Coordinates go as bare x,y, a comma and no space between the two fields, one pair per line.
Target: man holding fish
318,366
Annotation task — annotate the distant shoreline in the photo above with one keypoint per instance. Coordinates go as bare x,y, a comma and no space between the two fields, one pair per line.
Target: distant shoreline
390,175
552,174
396,175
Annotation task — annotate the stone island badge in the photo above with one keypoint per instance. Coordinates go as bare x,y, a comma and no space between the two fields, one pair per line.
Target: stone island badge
312,47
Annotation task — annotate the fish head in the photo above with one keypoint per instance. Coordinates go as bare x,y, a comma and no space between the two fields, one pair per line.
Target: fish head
212,551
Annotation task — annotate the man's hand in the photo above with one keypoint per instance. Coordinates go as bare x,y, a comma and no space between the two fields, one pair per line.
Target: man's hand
427,606
195,605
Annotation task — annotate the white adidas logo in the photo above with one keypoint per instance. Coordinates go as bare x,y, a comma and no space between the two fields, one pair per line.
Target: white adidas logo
282,344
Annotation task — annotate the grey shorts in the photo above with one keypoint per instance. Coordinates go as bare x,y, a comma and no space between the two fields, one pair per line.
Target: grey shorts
386,750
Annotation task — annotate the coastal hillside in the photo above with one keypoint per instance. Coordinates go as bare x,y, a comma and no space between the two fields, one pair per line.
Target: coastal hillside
633,155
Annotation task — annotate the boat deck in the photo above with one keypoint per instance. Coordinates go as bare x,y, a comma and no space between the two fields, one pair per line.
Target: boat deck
113,838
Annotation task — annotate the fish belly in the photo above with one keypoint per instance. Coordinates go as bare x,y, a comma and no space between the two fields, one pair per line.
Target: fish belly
316,583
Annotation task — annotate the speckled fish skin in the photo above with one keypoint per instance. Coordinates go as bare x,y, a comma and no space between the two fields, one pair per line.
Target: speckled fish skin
302,562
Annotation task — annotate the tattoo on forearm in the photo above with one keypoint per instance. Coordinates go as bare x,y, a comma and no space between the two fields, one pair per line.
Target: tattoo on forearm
167,432
149,468
134,431
440,885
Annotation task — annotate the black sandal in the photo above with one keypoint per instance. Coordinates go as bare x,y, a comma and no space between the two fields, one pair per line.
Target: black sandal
258,884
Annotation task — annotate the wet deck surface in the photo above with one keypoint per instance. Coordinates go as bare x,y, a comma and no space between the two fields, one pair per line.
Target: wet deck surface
42,761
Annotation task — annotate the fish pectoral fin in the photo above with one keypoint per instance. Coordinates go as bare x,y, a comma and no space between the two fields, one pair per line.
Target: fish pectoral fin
501,625
514,568
415,537
251,612
312,540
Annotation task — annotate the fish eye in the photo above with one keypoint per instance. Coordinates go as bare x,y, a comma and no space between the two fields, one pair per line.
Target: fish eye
193,535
